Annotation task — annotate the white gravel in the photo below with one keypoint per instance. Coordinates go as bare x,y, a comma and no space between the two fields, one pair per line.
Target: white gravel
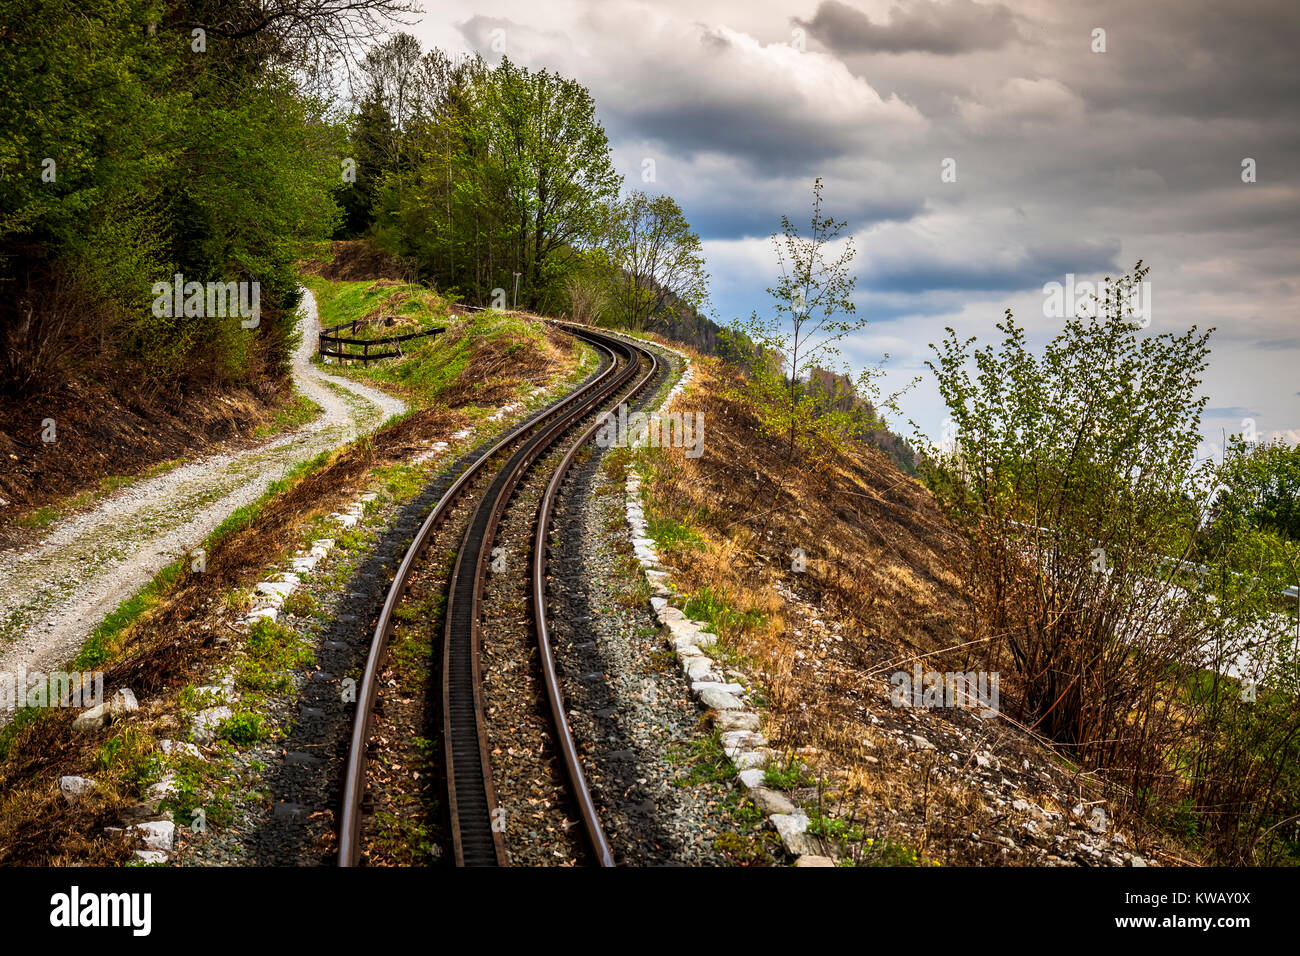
53,593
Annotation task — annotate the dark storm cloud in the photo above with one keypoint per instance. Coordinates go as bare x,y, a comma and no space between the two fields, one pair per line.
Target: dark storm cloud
1024,271
719,217
920,26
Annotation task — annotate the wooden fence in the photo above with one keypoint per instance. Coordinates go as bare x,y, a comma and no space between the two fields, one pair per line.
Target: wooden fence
332,337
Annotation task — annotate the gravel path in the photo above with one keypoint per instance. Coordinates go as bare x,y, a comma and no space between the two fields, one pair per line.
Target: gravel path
54,593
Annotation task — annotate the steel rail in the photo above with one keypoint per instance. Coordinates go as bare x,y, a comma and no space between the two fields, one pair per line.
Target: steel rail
477,824
550,673
363,722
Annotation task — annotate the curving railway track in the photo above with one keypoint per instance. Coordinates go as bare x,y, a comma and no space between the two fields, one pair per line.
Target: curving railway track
476,501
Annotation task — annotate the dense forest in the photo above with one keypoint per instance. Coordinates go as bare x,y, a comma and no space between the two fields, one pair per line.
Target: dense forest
157,145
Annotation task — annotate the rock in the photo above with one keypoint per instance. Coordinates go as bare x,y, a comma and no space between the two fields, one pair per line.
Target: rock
740,739
94,719
921,743
749,760
1136,861
157,834
74,788
771,801
716,699
736,689
698,667
163,788
675,621
986,759
729,720
792,828
170,747
207,721
658,603
123,702
812,859
752,778
151,856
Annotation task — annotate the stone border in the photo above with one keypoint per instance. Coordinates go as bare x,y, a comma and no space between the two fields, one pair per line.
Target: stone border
728,703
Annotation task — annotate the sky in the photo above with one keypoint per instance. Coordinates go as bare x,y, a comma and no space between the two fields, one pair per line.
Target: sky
1068,158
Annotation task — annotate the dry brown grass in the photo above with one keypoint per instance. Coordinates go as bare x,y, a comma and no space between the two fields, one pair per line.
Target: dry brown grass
883,587
182,636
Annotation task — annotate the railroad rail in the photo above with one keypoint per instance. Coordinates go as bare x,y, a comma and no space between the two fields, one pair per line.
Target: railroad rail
476,837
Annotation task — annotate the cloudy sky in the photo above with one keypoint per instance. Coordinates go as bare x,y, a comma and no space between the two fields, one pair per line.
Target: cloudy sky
1067,160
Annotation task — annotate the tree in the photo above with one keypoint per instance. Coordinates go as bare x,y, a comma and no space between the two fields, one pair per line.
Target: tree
1075,480
650,242
506,170
1259,488
813,311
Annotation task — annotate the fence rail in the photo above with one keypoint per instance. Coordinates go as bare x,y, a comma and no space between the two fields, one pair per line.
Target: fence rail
331,337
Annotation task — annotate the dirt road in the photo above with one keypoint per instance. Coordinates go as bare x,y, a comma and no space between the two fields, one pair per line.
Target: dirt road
53,593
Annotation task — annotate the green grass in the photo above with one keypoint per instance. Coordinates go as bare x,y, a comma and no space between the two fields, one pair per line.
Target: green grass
721,616
99,646
703,759
271,653
669,533
243,728
296,412
431,365
787,775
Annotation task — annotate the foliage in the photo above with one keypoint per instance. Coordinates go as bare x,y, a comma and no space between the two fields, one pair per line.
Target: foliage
1075,480
813,311
481,172
130,152
651,244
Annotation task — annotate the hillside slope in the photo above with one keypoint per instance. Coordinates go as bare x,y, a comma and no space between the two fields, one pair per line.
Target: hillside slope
879,594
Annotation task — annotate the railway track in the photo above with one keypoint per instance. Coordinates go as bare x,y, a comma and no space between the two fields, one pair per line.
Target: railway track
484,489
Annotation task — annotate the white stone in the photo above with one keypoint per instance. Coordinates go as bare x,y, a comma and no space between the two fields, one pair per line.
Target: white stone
739,739
207,721
771,801
151,856
74,788
736,689
751,778
93,719
750,760
737,720
276,591
157,834
699,668
681,628
716,699
166,787
791,827
170,747
921,743
814,859
123,702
